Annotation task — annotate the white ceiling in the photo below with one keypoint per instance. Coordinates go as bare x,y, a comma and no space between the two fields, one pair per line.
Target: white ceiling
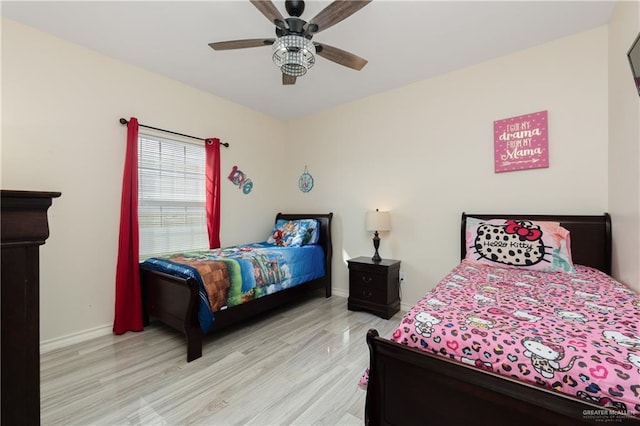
404,41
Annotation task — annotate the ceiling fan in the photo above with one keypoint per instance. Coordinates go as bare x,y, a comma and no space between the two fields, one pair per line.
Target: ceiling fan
293,51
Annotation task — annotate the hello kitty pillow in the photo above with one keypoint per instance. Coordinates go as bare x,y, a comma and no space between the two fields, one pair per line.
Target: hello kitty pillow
533,245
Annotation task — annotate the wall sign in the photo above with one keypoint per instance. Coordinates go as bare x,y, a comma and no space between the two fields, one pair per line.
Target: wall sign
521,143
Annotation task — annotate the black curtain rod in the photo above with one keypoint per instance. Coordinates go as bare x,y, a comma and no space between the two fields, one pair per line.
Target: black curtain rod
124,121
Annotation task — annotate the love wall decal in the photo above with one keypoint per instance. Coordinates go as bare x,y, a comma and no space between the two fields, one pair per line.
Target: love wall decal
237,177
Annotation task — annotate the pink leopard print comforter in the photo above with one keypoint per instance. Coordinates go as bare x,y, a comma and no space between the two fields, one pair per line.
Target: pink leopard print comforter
575,333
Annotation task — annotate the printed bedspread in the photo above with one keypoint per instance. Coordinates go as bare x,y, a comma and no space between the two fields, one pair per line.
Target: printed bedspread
575,333
233,275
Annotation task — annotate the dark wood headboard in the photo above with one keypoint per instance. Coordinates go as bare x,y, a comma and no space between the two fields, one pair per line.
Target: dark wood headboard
590,236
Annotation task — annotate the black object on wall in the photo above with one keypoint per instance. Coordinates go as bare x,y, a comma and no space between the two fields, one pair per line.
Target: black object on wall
634,61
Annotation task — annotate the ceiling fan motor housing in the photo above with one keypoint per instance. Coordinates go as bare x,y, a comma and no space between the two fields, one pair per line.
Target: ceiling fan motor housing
294,26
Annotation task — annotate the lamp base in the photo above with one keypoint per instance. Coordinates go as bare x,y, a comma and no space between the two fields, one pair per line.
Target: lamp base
376,244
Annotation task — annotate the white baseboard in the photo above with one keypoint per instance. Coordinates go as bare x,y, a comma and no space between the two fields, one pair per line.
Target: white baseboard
82,336
105,330
340,293
71,339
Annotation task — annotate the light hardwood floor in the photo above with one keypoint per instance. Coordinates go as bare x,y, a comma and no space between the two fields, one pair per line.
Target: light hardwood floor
296,365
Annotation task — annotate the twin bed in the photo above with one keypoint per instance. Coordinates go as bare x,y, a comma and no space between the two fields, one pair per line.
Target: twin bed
522,342
201,292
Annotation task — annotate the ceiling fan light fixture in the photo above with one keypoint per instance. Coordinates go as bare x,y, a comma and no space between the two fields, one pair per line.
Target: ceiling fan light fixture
294,55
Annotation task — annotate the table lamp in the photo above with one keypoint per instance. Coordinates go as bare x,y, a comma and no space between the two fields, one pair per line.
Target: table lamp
377,221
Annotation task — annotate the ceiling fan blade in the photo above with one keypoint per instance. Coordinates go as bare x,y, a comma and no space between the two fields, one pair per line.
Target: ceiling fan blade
288,79
268,9
241,44
340,56
334,13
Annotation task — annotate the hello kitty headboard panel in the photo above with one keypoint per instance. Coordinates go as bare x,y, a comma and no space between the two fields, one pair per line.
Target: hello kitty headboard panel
590,236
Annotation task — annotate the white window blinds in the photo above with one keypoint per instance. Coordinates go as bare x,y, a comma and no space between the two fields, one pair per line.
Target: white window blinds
171,196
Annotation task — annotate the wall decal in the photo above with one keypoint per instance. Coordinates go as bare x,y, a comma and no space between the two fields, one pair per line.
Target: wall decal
241,180
305,183
521,143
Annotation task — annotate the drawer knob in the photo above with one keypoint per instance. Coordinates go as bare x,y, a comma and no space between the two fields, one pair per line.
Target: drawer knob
366,279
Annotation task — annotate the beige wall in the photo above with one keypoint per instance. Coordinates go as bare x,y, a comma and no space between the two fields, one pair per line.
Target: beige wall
60,132
624,146
424,152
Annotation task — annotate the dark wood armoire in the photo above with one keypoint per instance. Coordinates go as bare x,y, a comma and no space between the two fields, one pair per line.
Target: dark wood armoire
23,229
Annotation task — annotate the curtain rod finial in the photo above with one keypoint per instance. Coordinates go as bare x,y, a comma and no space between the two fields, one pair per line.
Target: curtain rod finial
123,121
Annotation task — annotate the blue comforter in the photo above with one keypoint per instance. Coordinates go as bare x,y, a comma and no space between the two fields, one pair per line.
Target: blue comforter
254,270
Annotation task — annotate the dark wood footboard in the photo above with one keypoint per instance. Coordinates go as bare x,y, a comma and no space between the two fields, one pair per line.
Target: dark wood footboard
175,301
410,387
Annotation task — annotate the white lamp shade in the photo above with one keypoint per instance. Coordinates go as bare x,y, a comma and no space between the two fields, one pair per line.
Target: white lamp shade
378,221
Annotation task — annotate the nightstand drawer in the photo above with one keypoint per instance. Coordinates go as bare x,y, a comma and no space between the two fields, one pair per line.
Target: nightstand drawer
368,279
377,295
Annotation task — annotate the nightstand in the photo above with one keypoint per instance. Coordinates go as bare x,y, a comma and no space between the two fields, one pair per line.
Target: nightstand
374,286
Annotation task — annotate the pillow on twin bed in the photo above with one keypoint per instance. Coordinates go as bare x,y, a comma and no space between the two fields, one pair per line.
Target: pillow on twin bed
294,233
533,245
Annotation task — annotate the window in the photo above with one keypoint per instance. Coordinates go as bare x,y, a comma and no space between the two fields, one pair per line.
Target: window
171,196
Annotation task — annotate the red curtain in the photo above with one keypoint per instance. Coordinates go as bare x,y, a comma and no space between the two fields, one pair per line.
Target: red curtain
128,311
212,149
